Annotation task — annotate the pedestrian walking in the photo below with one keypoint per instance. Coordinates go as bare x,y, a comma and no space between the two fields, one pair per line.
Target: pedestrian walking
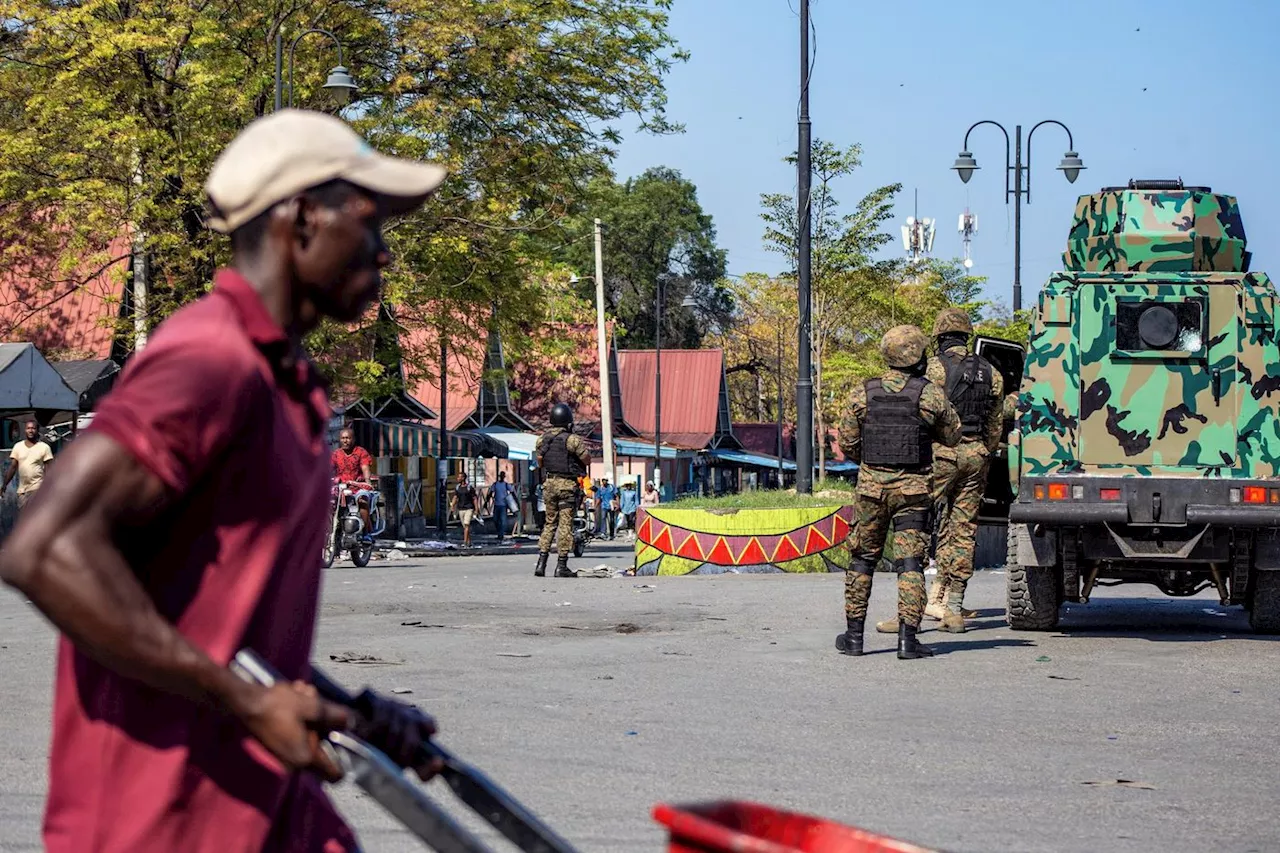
628,501
28,460
465,503
186,524
976,391
502,500
607,498
563,459
889,427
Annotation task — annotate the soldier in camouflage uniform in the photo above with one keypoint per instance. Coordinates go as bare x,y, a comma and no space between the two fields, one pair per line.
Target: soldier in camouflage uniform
976,390
889,428
563,458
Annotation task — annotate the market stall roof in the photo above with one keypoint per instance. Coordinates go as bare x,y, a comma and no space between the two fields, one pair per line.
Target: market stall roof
394,438
758,460
29,382
520,445
90,379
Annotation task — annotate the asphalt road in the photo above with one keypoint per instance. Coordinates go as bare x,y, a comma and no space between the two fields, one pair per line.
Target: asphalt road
592,700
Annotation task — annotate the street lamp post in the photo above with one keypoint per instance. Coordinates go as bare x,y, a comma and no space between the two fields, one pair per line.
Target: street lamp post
660,293
804,176
1070,166
339,83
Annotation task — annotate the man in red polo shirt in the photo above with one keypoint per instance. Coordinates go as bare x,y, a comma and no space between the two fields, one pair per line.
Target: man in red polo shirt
187,524
352,464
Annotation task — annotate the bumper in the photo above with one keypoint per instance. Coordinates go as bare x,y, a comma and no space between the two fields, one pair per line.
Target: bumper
1145,500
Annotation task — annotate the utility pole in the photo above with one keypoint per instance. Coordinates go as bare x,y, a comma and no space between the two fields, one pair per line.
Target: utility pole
602,353
804,376
442,459
657,387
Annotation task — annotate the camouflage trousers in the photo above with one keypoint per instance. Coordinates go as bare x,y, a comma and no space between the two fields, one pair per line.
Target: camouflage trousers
560,494
959,480
908,516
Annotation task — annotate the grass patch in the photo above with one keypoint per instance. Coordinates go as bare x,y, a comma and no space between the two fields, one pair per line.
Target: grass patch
825,493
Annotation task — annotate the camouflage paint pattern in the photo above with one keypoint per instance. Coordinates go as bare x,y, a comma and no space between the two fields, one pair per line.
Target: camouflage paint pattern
875,513
560,494
1156,231
1208,408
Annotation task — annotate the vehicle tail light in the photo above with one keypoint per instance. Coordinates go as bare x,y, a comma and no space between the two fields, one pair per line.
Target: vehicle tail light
1109,494
1039,491
1255,495
1275,496
1058,492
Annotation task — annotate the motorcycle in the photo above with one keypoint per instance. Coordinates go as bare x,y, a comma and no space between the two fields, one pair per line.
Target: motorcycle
345,525
584,530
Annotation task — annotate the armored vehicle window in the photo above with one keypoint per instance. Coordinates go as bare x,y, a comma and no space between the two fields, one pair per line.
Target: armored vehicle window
1148,326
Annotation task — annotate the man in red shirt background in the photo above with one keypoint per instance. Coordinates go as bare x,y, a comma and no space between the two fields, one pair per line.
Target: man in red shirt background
353,465
187,524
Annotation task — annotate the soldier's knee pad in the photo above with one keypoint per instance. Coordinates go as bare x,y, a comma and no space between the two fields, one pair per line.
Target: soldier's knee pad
917,519
908,564
862,566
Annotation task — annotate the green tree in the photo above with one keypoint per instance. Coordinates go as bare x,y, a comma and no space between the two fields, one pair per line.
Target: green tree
114,111
653,226
846,276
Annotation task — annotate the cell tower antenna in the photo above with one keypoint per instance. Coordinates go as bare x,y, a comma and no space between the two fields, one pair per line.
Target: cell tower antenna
917,235
968,227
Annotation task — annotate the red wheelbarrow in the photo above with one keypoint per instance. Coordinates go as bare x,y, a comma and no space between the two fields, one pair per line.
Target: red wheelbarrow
731,827
742,827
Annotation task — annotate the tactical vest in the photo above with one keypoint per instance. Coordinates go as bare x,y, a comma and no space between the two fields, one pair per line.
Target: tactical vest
894,435
557,460
969,382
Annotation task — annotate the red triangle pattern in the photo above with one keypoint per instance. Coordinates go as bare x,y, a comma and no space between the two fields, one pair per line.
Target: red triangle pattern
785,551
840,530
690,548
645,533
753,554
663,540
815,542
720,554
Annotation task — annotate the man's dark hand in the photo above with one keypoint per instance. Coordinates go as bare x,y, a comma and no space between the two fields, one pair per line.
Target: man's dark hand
290,719
398,729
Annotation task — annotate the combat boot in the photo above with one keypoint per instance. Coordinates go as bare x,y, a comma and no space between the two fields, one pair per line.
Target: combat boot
952,623
888,626
936,606
909,648
850,642
540,571
562,567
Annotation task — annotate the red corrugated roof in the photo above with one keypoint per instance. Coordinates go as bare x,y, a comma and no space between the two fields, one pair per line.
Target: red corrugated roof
690,393
66,315
572,377
465,366
761,438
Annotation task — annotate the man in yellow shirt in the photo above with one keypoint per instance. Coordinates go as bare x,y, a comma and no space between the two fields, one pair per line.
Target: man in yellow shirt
28,460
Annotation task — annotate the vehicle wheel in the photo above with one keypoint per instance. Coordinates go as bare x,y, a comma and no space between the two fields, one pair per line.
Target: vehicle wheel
1264,614
329,551
360,553
1031,593
579,545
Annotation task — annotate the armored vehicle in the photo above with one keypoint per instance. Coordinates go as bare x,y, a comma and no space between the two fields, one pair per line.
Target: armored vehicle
1146,447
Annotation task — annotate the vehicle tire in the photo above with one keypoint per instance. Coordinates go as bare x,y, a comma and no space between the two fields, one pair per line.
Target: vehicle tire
329,551
579,545
360,554
1264,613
1032,600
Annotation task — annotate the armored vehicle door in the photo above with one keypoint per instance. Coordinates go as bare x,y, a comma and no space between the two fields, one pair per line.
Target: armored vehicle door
1008,358
1158,373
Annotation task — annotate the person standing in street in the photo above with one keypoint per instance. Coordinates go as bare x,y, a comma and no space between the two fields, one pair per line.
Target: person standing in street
563,459
651,497
28,460
186,524
465,503
501,498
607,498
976,391
628,501
889,427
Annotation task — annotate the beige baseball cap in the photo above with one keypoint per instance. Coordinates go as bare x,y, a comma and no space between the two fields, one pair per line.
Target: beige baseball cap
288,151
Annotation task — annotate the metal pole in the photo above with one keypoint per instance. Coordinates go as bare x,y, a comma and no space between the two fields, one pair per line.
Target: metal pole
442,453
657,391
602,352
804,376
781,476
1017,219
279,68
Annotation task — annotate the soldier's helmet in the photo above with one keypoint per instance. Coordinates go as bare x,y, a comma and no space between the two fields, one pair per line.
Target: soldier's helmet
903,346
561,415
953,321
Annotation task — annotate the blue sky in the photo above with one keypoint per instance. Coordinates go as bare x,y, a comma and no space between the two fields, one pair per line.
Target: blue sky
1149,89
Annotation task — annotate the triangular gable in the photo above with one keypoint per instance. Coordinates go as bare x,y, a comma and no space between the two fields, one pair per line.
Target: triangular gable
29,382
493,409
